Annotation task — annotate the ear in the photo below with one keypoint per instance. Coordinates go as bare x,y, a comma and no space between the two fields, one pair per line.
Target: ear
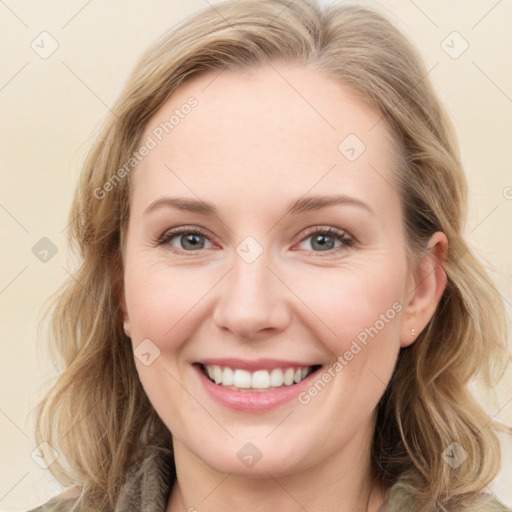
426,285
126,320
116,271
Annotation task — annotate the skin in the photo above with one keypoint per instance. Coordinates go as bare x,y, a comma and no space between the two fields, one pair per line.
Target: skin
251,146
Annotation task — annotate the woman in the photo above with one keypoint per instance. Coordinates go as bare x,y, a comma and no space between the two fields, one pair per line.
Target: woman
281,311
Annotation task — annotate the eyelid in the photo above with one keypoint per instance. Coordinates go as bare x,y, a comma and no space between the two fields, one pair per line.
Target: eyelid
326,229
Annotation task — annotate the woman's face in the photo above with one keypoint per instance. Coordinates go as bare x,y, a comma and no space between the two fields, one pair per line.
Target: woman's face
263,166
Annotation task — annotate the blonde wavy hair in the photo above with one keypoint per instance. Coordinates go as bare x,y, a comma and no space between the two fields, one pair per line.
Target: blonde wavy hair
97,414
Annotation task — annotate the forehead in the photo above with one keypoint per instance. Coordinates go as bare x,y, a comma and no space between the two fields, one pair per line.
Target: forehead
281,128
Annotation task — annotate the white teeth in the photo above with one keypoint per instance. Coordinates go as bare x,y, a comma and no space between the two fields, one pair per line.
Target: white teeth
227,377
288,376
217,374
276,377
242,379
260,379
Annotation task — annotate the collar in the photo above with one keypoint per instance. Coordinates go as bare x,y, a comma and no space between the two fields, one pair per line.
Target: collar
148,482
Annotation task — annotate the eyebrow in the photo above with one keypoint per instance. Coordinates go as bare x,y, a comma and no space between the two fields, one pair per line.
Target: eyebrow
301,205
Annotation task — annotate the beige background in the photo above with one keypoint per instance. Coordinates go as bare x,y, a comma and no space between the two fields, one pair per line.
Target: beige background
50,108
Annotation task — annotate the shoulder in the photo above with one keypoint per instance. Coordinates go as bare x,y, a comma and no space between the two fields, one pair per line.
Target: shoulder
491,504
60,503
147,483
401,498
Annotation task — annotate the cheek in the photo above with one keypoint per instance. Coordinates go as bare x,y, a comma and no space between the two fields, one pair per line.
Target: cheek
163,301
362,303
339,304
163,305
358,315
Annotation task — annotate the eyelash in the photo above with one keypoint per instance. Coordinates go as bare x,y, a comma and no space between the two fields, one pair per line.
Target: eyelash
337,234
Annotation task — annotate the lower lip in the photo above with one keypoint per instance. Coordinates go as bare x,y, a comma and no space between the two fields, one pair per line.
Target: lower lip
253,401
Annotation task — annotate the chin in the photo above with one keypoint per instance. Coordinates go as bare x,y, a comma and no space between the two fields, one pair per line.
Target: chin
257,458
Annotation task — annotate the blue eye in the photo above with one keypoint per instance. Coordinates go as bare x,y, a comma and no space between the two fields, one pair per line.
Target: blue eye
188,238
325,239
193,239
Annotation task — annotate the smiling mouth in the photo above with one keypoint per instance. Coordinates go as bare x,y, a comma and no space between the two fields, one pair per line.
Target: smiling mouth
238,379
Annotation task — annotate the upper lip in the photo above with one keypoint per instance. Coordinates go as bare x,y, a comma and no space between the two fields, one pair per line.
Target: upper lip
253,365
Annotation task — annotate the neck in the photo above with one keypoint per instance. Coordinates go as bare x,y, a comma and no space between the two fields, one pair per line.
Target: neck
343,482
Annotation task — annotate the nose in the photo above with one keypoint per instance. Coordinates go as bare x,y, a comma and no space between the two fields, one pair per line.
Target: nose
252,301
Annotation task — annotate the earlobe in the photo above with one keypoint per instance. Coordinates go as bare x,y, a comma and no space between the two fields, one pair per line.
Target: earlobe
124,309
119,293
428,284
126,321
